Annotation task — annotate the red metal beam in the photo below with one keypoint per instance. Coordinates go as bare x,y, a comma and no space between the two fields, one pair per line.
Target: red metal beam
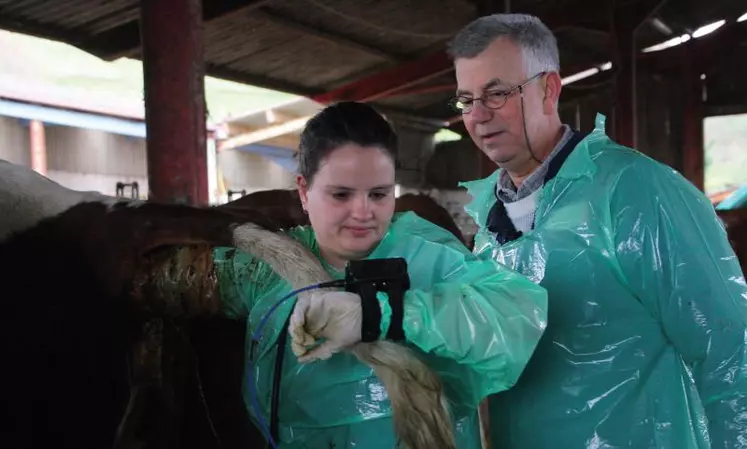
174,100
38,147
391,80
418,90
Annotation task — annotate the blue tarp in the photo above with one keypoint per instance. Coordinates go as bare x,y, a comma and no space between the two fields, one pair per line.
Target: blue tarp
283,156
737,199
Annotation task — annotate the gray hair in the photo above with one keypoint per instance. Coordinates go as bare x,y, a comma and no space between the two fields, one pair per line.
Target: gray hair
538,44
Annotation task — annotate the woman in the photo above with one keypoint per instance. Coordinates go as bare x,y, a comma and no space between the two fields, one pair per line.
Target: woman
475,322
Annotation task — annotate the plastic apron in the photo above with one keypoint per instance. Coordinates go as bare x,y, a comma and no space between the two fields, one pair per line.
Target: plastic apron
646,345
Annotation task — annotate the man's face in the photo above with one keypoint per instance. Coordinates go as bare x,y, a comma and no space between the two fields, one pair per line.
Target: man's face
500,133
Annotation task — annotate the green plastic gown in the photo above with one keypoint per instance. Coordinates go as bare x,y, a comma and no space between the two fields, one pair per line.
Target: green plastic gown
646,344
474,321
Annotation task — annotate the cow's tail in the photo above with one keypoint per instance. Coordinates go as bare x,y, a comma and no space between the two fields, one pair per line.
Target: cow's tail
421,413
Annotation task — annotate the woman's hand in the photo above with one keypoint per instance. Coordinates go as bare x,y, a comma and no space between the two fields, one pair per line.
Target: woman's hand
334,316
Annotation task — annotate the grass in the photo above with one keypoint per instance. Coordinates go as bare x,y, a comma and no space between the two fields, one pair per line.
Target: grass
725,152
62,65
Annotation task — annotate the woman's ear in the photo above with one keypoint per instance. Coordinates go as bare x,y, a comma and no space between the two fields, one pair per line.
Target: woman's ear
303,190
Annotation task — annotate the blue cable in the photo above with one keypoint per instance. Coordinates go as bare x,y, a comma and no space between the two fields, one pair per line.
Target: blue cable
256,336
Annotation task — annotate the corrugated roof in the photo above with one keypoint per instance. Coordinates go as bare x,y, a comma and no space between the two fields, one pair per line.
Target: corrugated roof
309,47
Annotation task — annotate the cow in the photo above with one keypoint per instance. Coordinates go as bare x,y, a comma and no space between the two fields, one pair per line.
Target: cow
83,276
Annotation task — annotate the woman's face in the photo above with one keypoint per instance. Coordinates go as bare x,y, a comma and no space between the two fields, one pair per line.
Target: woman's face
350,201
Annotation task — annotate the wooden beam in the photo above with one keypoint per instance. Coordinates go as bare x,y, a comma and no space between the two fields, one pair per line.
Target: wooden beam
290,141
332,37
124,40
263,134
259,80
44,31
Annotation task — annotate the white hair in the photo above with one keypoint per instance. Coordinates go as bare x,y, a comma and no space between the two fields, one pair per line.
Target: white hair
538,45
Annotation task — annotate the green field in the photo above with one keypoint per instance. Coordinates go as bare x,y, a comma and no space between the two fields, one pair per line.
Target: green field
725,152
29,59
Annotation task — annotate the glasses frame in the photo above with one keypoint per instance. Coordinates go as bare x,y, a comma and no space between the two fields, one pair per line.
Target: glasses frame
486,102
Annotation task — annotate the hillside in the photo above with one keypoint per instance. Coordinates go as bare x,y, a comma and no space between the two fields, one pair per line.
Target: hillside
725,152
31,60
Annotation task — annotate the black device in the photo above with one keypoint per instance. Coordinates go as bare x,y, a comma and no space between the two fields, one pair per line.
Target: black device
369,276
378,272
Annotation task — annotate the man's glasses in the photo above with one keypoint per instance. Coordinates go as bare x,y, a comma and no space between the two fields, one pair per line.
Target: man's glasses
491,99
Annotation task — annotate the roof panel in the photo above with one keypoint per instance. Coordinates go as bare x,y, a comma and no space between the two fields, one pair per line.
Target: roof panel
310,62
401,28
304,46
239,37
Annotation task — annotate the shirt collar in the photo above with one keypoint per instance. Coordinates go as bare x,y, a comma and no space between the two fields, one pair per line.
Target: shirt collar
507,191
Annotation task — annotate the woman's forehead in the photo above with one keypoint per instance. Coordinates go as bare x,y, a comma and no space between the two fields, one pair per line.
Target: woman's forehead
363,180
347,181
357,163
351,153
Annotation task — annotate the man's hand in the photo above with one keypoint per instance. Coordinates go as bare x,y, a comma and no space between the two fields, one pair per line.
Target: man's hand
334,316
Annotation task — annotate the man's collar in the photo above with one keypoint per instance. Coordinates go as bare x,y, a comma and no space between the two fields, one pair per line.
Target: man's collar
508,192
498,221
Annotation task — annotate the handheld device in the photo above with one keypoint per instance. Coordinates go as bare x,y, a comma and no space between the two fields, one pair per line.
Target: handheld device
369,276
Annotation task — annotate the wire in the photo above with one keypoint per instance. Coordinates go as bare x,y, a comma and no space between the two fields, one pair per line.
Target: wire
256,335
524,125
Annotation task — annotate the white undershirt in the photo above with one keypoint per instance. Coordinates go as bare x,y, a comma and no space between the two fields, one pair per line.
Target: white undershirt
521,212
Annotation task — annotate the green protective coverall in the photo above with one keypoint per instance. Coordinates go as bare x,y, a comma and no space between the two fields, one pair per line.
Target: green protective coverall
646,344
475,322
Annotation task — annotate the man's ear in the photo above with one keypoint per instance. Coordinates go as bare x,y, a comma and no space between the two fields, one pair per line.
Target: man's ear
553,86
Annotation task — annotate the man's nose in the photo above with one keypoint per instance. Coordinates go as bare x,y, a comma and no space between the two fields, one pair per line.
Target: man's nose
479,113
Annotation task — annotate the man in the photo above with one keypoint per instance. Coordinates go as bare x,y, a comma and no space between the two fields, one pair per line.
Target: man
646,344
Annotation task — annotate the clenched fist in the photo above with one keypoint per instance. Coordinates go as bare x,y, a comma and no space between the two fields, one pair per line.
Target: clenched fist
334,316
